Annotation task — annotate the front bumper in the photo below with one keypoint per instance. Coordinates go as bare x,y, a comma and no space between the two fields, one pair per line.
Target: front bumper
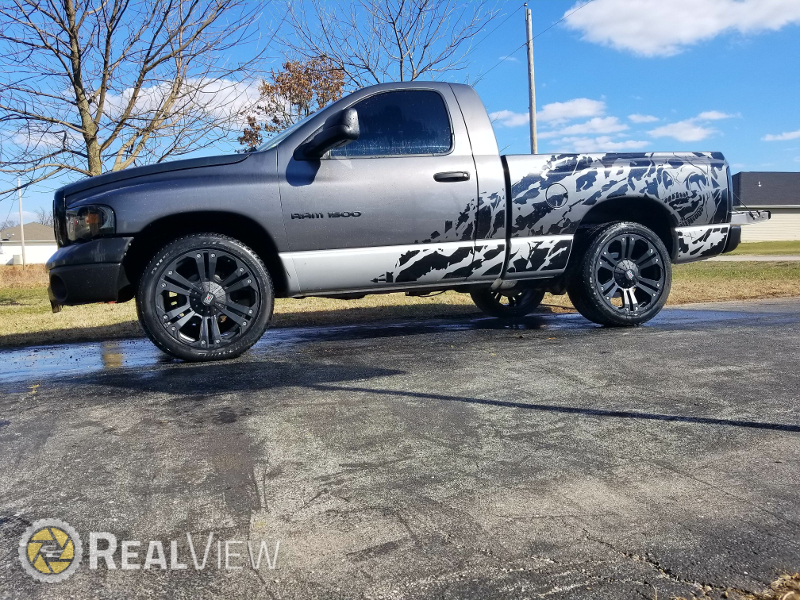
89,272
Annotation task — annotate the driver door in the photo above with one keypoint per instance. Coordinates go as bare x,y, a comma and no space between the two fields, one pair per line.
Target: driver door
395,208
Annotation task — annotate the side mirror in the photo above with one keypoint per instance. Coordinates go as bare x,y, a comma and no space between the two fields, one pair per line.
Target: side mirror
339,131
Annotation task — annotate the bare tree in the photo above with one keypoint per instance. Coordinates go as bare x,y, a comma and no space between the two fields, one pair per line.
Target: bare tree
296,91
44,216
7,224
373,41
97,85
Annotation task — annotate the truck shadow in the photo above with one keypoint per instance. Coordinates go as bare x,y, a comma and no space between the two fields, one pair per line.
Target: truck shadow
212,379
570,410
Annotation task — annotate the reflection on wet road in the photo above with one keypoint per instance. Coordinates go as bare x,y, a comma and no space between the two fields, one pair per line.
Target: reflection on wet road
80,359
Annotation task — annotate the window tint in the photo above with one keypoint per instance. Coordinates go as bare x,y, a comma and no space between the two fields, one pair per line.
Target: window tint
404,122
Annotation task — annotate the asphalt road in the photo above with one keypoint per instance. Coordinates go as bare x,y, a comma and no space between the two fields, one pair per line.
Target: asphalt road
431,459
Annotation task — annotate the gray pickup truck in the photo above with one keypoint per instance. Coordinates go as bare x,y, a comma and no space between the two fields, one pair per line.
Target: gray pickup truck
397,187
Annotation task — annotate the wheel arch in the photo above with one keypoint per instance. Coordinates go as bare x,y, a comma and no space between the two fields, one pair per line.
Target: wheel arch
642,210
161,231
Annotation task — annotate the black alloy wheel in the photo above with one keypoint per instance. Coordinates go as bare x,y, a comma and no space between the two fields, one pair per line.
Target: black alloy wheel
624,276
513,303
205,297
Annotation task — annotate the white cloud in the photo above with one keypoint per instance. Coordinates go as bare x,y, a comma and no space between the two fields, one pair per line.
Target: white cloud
579,108
216,98
603,143
666,27
683,131
690,130
713,115
554,113
596,125
643,118
788,135
509,118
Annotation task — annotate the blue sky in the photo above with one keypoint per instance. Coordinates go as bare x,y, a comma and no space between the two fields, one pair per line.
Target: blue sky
742,86
695,74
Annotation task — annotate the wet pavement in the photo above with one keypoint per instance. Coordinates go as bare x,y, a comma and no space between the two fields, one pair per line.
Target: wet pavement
419,459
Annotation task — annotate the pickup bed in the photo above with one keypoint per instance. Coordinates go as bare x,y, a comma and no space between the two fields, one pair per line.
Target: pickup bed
396,187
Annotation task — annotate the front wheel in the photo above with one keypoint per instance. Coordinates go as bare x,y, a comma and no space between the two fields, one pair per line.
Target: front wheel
513,303
205,297
623,277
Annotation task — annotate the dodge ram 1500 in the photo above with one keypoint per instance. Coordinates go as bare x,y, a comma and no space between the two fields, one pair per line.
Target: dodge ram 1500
396,187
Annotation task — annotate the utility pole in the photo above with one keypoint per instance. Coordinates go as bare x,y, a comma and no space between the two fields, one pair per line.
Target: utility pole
21,228
531,85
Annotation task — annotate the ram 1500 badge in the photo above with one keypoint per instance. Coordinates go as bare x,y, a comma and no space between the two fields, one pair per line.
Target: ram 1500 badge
397,187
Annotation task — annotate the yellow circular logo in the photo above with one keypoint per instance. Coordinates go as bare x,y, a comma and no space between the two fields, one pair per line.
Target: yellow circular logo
50,550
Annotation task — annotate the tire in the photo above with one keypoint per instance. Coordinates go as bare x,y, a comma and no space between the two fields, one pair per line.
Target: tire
215,314
623,276
509,304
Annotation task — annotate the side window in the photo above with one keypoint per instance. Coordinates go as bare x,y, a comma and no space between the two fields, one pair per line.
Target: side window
400,123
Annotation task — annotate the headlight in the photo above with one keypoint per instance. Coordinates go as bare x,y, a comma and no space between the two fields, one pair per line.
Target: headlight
87,222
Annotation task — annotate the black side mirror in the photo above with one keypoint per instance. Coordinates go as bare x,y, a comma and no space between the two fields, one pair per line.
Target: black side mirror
338,131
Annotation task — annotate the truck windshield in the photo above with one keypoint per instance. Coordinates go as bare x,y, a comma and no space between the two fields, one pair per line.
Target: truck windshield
272,142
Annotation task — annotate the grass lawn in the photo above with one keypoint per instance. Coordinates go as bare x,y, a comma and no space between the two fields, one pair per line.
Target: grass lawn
768,248
26,319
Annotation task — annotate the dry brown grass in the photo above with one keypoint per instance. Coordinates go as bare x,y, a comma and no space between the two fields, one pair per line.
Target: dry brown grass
32,276
26,319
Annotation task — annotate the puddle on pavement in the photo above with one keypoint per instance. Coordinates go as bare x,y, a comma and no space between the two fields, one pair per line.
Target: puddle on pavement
42,362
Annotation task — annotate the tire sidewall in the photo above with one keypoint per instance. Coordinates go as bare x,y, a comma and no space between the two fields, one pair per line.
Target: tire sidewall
145,298
598,307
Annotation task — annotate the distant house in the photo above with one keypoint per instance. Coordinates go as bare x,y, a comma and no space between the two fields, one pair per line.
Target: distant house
40,244
777,192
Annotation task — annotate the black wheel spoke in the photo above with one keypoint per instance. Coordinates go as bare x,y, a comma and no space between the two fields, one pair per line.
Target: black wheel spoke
648,260
623,252
609,262
238,272
650,283
187,316
649,291
204,331
212,266
169,286
179,280
235,306
238,319
608,286
201,266
177,311
243,283
215,330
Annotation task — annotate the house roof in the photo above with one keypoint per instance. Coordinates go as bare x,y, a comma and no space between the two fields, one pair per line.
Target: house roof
34,232
766,188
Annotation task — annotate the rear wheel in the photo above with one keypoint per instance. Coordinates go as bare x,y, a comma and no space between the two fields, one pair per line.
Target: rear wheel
205,297
508,304
623,277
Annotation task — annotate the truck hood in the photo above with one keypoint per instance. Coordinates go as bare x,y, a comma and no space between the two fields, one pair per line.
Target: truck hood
126,174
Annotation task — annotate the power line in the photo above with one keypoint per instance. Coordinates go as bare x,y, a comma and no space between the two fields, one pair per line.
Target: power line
518,48
562,18
483,39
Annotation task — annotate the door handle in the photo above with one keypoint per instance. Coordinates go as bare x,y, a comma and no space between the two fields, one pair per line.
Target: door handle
451,176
